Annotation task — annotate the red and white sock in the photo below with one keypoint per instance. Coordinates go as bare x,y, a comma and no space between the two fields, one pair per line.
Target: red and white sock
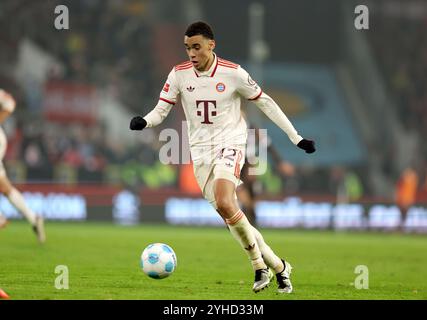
242,231
270,258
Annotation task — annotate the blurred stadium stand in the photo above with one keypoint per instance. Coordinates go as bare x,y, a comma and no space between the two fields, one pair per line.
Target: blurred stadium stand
360,94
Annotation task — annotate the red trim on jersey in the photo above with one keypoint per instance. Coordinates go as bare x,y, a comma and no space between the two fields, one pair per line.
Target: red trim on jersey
165,100
213,72
182,68
227,66
237,166
228,62
183,64
216,66
259,95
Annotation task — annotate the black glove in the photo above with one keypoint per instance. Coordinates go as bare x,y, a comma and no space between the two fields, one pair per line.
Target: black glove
137,123
307,145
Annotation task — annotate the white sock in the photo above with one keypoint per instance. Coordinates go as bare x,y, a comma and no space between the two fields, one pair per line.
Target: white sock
17,200
241,230
270,258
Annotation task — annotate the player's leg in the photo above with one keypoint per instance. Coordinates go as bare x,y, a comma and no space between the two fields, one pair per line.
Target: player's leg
281,268
241,229
246,197
207,176
17,200
224,191
3,146
270,258
3,221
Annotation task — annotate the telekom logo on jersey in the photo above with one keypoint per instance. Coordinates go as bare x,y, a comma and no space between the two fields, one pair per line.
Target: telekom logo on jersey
204,112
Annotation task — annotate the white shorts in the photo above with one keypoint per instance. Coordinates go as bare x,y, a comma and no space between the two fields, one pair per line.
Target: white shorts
226,165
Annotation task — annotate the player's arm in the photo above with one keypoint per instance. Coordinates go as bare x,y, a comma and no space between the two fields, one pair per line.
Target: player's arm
167,100
273,111
250,90
7,105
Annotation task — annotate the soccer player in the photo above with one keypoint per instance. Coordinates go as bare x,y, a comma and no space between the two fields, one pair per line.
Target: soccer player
210,89
7,106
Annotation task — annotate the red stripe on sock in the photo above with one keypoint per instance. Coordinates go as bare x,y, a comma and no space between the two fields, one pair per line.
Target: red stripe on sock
236,218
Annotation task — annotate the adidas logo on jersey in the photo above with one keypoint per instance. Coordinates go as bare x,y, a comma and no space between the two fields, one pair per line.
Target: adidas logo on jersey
190,89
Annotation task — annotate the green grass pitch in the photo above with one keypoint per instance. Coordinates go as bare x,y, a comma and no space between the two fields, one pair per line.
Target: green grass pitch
103,263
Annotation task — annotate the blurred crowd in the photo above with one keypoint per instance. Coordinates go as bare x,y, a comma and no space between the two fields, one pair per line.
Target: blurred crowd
107,46
45,151
399,44
107,43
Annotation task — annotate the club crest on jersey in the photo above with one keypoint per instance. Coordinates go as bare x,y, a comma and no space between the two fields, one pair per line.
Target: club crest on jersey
190,89
166,87
220,87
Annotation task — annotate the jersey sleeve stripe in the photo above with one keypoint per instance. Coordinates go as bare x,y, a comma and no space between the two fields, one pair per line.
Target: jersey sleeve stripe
182,68
165,100
227,62
183,64
227,66
259,95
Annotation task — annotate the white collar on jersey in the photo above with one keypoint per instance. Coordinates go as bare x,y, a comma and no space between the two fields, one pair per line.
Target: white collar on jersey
210,72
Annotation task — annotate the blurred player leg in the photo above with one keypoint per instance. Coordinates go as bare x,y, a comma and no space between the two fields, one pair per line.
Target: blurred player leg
7,106
241,230
3,221
273,261
17,200
246,199
246,194
281,268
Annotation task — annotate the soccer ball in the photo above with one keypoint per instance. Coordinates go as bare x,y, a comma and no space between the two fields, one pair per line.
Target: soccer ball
158,261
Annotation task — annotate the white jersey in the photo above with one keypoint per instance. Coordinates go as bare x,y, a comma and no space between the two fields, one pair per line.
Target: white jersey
211,102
